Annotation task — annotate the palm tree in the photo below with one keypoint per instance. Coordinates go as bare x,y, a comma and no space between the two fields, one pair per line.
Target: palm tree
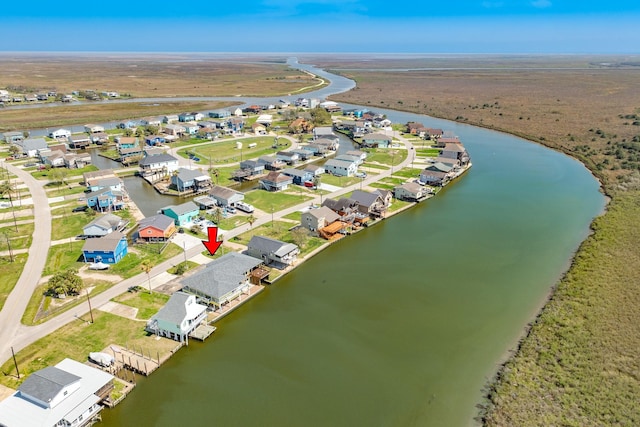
215,173
251,219
146,266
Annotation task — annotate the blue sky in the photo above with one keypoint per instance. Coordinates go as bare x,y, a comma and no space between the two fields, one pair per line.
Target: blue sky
454,26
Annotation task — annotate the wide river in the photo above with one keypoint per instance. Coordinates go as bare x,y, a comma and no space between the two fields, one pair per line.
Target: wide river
400,325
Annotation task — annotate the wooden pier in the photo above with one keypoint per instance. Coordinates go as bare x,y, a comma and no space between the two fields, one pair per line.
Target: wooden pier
202,332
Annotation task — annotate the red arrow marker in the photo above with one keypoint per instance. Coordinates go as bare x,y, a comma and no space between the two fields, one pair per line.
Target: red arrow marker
212,244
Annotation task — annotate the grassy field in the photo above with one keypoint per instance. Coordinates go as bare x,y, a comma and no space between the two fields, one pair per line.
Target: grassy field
266,201
10,272
147,303
578,364
226,152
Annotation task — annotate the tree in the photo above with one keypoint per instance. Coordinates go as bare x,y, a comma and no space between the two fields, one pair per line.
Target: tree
217,216
320,116
251,219
14,150
215,173
300,236
64,283
146,266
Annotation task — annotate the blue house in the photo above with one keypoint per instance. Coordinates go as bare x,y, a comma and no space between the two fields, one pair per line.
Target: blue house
108,249
105,200
153,140
222,114
182,214
299,176
187,117
127,124
187,179
376,140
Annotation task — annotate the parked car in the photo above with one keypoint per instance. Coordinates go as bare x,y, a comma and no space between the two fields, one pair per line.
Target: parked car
83,208
230,209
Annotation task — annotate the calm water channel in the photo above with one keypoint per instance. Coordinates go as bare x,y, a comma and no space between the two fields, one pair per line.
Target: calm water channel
400,325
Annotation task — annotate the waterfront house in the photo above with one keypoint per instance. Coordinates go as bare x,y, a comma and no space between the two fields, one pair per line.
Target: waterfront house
60,134
303,155
271,163
412,127
109,249
253,167
12,137
362,155
103,225
170,118
93,128
190,180
224,279
90,179
410,192
151,121
174,130
289,157
349,158
32,146
67,394
275,181
156,228
106,200
372,204
299,176
79,142
187,117
340,167
127,124
126,142
220,114
456,151
449,161
54,158
159,163
316,149
153,140
99,138
376,140
435,174
111,182
77,161
346,208
272,252
432,133
316,219
178,318
225,196
328,144
386,195
182,214
324,132
205,202
130,155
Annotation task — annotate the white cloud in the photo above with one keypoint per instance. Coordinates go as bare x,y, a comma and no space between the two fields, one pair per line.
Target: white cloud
541,4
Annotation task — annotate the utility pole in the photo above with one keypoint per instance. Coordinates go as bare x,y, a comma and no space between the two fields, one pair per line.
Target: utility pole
89,301
6,235
15,362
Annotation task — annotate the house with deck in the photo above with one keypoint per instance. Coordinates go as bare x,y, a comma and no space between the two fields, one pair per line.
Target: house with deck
271,162
91,179
156,228
13,137
67,394
31,147
299,176
315,170
276,181
272,252
60,134
77,161
106,200
410,192
436,174
316,219
109,249
158,163
174,130
324,132
253,167
182,214
190,180
180,316
224,279
79,141
153,140
456,151
91,128
372,204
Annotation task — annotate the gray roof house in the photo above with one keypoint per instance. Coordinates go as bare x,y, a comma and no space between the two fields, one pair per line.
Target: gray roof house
223,279
410,191
158,163
31,146
369,203
103,225
178,318
225,196
68,394
273,252
190,180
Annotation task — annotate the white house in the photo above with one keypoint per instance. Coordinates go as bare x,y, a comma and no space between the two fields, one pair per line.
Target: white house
340,167
178,318
59,134
68,394
165,163
103,225
93,128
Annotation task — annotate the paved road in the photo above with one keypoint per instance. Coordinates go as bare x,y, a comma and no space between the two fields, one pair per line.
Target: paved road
21,336
18,299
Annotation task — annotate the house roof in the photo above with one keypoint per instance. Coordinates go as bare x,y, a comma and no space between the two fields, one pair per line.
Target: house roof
89,176
106,222
440,167
267,245
32,144
46,383
324,130
16,410
339,205
289,154
376,137
313,168
157,158
182,208
324,212
222,275
175,311
296,172
339,163
188,174
109,181
160,221
221,192
411,187
277,177
108,243
365,198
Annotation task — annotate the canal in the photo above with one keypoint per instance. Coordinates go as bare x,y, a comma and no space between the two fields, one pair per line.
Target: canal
400,325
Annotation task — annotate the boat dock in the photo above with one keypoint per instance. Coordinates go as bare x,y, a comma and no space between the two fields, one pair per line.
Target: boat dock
202,332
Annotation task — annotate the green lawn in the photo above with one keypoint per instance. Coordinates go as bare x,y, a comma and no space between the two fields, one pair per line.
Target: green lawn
55,190
20,239
408,172
280,231
397,205
129,266
147,303
10,272
77,339
266,200
386,156
340,181
63,257
221,152
296,216
428,152
69,225
46,174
